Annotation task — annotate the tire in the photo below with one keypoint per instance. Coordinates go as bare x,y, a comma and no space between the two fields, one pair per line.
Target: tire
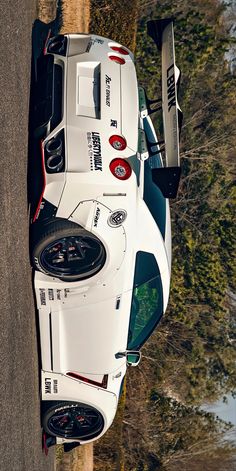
72,420
67,251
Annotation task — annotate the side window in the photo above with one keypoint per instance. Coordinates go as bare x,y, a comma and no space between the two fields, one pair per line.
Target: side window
147,300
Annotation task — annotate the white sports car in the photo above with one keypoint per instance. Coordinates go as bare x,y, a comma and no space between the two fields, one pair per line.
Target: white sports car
101,234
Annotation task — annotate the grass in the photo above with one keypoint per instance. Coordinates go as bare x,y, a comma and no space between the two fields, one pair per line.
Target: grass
47,10
75,16
79,459
115,20
109,451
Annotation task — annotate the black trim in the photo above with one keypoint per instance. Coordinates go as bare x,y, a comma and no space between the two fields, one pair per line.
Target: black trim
47,212
43,91
57,97
70,446
50,335
47,94
155,29
167,179
57,45
118,303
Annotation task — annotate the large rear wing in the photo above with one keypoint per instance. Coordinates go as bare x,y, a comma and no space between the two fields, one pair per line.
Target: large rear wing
167,178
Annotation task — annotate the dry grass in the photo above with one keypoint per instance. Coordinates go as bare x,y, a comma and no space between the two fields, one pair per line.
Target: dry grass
116,20
108,450
75,16
79,459
47,10
108,18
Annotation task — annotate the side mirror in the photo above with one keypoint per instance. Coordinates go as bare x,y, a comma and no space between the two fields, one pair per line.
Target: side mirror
133,358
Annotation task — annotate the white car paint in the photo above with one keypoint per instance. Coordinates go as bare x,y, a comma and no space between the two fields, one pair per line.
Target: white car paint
84,324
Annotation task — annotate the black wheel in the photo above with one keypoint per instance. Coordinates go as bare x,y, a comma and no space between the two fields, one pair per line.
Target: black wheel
67,251
73,420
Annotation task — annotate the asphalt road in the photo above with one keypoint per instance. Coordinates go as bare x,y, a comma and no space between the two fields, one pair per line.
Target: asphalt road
20,440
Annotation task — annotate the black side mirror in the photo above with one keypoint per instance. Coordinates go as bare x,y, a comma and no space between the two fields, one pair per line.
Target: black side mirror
133,357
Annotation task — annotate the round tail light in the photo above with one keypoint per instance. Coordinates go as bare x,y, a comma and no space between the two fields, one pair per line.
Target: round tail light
118,142
117,59
120,50
120,168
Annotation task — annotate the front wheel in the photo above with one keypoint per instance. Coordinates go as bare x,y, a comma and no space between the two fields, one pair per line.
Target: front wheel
73,421
67,251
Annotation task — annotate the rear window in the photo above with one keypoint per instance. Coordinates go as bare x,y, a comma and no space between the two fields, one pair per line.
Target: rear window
153,196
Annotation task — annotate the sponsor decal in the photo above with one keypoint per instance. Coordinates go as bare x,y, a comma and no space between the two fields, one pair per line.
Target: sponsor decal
42,296
89,46
108,90
50,294
171,87
113,123
96,218
97,41
55,386
53,295
48,386
51,386
117,218
94,146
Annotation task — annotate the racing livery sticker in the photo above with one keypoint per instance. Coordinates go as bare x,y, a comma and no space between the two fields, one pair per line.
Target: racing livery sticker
171,87
42,295
96,218
50,294
51,386
108,90
94,150
113,123
117,218
53,295
94,41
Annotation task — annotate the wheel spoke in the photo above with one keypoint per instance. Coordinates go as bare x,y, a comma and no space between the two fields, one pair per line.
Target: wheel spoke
80,251
77,422
73,255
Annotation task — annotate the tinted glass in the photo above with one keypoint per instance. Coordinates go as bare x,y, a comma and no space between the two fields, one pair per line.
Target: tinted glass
147,301
153,196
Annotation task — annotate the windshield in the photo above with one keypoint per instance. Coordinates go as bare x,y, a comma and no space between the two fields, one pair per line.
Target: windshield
147,300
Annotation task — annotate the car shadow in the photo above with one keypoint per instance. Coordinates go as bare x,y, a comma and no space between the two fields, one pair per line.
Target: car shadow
35,179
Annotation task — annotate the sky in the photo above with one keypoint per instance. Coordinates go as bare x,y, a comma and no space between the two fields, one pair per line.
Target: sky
226,411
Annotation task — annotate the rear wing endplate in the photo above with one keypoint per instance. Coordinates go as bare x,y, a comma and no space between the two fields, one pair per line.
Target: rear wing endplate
167,178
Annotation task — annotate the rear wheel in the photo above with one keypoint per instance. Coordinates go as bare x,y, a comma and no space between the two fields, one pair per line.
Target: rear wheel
73,420
67,251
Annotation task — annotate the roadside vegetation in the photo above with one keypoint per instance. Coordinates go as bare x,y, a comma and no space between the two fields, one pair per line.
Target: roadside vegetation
191,357
115,20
